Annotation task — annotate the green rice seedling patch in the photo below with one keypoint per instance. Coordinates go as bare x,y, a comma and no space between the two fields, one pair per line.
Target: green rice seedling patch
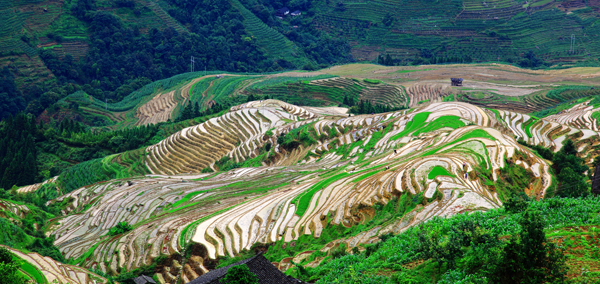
451,121
596,115
84,256
497,113
33,272
527,126
476,133
438,171
372,81
375,137
417,122
303,201
449,98
51,47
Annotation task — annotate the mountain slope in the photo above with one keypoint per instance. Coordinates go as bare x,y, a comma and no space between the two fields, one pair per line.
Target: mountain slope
319,173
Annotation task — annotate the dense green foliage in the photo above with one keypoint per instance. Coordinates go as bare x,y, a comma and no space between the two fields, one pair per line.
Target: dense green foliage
28,231
467,246
9,268
11,100
528,257
120,228
240,274
123,57
88,172
569,169
366,107
542,151
18,153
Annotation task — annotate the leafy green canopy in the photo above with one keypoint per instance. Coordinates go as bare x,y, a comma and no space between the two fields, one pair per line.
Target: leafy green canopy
240,274
438,171
469,245
120,228
9,268
18,153
569,169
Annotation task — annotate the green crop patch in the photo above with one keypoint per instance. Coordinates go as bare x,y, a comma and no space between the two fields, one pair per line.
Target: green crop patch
450,121
372,81
438,171
32,271
303,200
416,123
51,47
527,126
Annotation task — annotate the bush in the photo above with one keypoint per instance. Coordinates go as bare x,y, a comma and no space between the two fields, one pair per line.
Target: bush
120,228
5,256
240,274
529,257
515,204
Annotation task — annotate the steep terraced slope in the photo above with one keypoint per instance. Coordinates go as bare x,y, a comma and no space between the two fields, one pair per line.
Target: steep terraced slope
38,267
450,155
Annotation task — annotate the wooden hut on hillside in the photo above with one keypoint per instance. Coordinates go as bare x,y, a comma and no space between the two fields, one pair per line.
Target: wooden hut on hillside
456,81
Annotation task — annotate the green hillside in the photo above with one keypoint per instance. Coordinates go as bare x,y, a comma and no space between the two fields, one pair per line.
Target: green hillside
107,47
465,31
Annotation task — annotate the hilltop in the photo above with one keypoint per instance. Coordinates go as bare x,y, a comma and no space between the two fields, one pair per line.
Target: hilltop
109,48
494,85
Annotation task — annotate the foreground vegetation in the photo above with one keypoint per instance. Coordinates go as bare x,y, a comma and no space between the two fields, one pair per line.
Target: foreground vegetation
481,247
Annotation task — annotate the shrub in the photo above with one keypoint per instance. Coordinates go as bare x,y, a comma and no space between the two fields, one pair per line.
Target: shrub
240,274
5,256
120,228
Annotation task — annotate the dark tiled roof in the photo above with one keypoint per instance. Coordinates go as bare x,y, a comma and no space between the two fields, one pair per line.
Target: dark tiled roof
143,280
258,264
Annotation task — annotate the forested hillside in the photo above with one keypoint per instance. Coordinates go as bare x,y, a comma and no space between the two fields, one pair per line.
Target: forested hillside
109,48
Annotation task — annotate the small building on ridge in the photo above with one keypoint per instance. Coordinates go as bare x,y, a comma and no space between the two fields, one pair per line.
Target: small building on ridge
282,12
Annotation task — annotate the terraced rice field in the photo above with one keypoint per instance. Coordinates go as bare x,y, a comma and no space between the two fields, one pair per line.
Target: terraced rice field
510,88
34,187
449,154
43,269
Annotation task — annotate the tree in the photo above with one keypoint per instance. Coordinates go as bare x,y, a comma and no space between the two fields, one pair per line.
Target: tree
5,255
9,268
240,274
516,204
570,168
187,112
572,184
10,274
120,228
529,257
196,111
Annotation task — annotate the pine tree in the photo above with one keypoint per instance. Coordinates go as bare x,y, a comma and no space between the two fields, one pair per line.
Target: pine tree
196,110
